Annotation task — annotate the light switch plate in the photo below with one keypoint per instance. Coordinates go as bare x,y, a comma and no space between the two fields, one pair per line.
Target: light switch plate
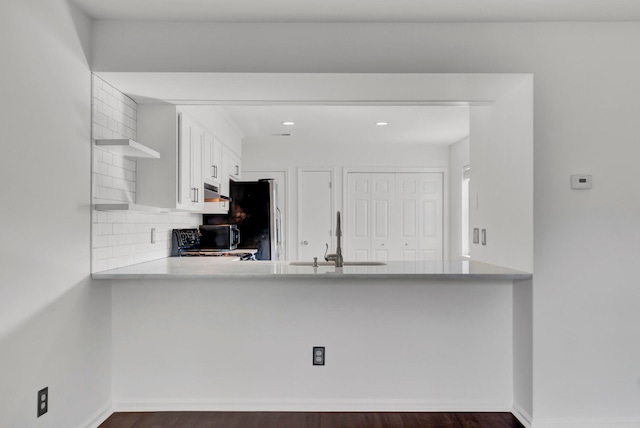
581,181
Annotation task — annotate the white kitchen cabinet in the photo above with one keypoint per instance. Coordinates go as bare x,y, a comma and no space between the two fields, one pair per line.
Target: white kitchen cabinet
190,156
212,161
175,180
234,165
221,207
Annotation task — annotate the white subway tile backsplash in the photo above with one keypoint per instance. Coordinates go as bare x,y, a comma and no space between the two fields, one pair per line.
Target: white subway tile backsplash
102,192
107,229
122,238
100,265
129,165
107,133
112,124
101,119
100,241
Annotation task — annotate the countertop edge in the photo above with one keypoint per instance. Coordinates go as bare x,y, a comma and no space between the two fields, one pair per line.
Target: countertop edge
199,268
419,276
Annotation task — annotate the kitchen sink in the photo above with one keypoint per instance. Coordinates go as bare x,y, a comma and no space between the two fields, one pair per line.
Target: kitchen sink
346,263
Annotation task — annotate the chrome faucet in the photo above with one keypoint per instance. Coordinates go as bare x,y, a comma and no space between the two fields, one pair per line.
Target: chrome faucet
337,256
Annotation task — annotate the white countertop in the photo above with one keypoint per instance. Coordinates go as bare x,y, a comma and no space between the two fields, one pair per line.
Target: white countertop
222,267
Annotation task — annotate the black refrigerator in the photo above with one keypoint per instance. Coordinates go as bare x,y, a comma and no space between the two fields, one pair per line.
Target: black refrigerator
254,209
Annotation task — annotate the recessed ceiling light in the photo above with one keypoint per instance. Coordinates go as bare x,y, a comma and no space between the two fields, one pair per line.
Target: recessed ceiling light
382,123
288,123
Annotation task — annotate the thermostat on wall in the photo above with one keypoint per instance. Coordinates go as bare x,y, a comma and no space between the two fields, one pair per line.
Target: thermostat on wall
580,181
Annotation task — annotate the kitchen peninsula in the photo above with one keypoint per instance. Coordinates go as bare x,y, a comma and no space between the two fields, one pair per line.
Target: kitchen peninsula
197,267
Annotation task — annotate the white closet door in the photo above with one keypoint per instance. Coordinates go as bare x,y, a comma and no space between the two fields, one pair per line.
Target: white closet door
407,243
394,216
358,223
431,216
315,214
384,227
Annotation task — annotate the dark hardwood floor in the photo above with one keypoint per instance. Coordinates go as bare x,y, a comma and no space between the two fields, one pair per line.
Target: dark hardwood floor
310,420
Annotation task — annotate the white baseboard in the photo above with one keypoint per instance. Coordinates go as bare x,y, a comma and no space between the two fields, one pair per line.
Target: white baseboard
98,417
522,416
585,423
310,406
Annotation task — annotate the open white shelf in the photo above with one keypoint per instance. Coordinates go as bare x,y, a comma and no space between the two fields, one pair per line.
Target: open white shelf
129,148
124,206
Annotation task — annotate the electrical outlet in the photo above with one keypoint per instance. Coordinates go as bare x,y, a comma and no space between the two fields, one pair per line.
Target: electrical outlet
318,355
43,401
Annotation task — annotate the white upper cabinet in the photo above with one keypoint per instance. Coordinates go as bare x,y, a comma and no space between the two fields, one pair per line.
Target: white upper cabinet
190,155
234,166
190,158
175,180
212,161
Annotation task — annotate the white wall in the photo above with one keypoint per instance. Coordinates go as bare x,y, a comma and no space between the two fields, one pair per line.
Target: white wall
587,243
247,345
55,323
285,154
459,156
502,179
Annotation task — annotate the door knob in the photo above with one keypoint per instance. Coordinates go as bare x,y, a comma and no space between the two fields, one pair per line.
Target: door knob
305,243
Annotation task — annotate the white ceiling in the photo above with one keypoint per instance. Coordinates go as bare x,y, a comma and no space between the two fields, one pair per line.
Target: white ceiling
329,108
353,124
364,10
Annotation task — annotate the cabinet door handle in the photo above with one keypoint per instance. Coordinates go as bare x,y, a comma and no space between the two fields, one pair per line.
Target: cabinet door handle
237,169
215,171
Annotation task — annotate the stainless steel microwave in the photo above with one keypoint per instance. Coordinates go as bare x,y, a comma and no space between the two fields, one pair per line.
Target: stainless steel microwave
219,237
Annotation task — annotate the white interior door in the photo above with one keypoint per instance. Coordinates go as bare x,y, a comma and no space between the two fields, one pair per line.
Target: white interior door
315,213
